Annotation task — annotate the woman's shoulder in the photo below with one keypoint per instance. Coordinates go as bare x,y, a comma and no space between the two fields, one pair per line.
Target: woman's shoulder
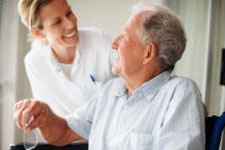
37,54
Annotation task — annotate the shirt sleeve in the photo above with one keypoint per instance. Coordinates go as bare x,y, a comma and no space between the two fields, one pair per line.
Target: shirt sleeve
81,120
38,90
183,126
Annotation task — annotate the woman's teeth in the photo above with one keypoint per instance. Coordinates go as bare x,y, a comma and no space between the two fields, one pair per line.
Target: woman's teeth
70,35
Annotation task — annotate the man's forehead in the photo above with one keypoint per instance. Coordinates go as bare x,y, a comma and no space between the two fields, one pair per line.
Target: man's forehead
129,24
137,20
140,17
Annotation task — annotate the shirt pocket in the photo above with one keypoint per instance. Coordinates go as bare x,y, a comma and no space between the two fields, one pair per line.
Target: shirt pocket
140,141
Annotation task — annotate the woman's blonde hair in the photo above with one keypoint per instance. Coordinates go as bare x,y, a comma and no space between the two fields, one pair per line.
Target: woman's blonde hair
29,11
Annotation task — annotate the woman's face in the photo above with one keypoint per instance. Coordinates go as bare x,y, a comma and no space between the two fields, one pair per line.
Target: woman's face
59,25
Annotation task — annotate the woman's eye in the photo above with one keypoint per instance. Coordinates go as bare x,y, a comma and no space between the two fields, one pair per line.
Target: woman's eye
69,13
56,23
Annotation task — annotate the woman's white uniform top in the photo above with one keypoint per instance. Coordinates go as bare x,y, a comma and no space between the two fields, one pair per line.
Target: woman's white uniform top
67,87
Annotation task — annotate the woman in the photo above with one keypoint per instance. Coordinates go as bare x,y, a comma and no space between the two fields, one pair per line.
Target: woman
64,64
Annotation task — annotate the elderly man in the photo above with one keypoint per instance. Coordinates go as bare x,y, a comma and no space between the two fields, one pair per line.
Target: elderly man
147,108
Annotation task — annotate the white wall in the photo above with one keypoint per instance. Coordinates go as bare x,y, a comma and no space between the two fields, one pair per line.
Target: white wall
13,81
195,16
204,21
216,94
9,33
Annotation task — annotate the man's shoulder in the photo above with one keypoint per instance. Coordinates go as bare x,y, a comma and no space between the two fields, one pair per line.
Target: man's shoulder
181,80
182,83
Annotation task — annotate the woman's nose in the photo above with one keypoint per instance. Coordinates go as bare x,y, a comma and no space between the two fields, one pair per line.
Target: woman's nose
69,23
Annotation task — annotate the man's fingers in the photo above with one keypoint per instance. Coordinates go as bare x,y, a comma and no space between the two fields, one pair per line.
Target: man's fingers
35,114
17,119
36,122
30,114
19,108
22,104
25,118
18,105
40,114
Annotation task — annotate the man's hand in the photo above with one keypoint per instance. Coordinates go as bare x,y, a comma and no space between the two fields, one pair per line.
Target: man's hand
31,114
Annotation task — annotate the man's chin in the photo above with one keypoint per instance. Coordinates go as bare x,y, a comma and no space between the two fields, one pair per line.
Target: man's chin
115,70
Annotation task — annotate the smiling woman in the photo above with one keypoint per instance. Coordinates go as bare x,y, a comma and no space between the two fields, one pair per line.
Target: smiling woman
58,28
63,56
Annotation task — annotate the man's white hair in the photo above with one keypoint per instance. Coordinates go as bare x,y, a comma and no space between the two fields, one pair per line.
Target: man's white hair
143,6
165,30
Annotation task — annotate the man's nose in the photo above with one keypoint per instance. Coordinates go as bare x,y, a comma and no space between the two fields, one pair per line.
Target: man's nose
114,44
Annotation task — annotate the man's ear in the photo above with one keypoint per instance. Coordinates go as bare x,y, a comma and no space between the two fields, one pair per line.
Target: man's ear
150,53
37,33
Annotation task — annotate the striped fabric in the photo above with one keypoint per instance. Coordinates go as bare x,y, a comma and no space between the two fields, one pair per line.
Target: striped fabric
164,113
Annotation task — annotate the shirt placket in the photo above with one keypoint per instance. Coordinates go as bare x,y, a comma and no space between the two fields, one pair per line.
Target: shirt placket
121,119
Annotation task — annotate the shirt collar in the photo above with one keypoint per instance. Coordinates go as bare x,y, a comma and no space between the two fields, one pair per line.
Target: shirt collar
121,88
147,89
152,86
54,62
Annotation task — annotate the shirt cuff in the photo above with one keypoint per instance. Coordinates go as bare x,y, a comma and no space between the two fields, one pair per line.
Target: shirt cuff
80,127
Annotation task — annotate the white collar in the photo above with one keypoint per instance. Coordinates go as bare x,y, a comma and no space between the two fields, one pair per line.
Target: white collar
55,64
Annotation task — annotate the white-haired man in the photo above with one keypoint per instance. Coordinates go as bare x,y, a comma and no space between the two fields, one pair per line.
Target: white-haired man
146,108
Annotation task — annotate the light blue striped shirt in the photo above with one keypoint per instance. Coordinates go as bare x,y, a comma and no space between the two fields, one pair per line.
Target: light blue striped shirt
165,113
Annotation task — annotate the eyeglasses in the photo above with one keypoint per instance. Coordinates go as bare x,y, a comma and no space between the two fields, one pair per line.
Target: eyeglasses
30,139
